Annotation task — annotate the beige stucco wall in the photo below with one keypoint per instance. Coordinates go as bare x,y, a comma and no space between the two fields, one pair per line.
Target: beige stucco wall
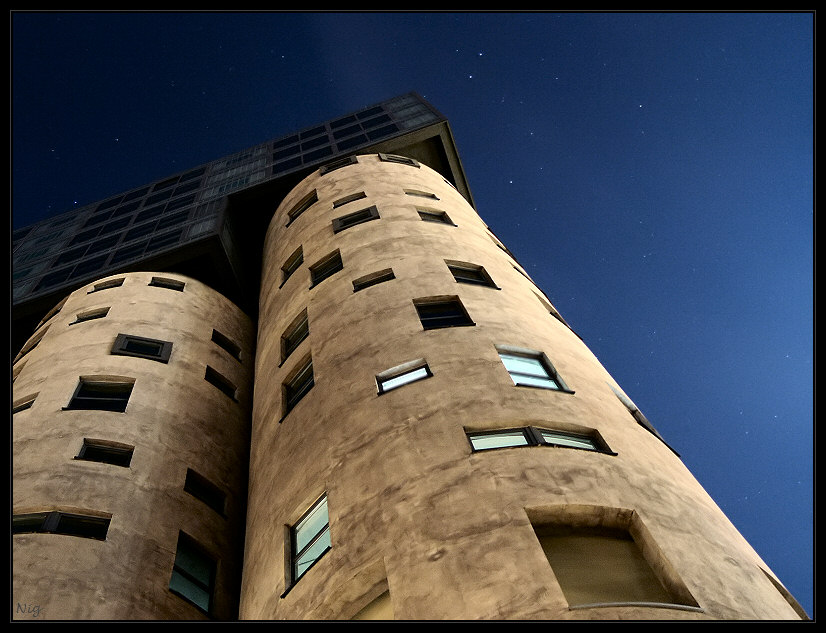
412,508
175,420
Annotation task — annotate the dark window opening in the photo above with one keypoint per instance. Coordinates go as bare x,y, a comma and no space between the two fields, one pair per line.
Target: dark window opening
204,490
435,216
357,217
337,164
140,347
470,274
305,203
372,279
441,313
103,285
225,343
394,158
220,381
297,387
291,265
69,524
165,282
101,395
106,452
325,268
297,331
193,573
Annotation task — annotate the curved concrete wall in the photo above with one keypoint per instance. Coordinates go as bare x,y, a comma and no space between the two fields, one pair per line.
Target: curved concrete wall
412,508
175,420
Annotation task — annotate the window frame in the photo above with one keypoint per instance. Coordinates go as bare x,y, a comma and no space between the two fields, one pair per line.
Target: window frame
298,384
119,348
325,268
105,452
373,279
435,216
221,382
455,318
344,222
475,274
178,570
105,285
64,523
295,333
301,206
292,263
535,436
315,538
91,315
168,283
205,491
399,371
227,344
125,386
551,374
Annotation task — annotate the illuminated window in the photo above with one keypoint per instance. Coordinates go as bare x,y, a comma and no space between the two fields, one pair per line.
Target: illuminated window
193,573
310,538
531,369
403,375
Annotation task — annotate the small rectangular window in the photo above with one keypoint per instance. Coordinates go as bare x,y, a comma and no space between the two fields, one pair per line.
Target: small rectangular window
535,436
301,206
357,217
351,198
291,265
226,344
403,375
337,164
89,315
297,386
487,440
295,333
372,279
101,395
106,452
470,274
310,538
531,369
140,347
204,490
325,268
421,194
220,381
166,282
21,404
193,573
56,522
394,158
103,285
430,215
445,312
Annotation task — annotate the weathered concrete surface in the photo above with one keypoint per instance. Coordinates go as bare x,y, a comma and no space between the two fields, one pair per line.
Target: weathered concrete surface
174,419
411,507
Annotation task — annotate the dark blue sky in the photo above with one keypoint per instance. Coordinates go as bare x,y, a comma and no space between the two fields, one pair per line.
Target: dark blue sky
652,172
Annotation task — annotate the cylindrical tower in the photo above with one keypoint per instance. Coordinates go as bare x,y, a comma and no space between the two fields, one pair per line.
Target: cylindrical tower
431,440
131,408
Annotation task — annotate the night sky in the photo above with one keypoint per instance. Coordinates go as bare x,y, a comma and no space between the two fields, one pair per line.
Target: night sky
652,172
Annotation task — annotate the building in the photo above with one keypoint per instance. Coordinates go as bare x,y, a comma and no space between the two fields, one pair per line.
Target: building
306,381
